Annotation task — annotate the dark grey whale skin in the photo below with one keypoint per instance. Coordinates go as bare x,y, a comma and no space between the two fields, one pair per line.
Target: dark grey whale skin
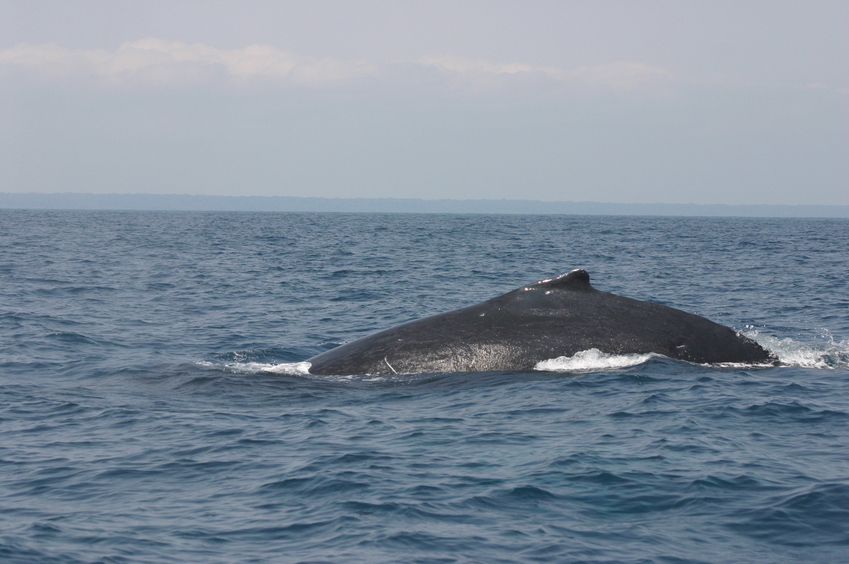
556,317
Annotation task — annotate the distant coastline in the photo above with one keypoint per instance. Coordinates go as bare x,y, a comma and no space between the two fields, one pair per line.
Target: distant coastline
177,202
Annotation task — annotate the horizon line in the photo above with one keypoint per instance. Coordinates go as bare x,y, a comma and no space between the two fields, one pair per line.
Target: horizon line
141,201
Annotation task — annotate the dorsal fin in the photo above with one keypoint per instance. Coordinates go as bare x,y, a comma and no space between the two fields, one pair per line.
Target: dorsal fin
578,279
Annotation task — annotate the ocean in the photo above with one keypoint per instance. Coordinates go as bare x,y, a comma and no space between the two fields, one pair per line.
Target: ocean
155,408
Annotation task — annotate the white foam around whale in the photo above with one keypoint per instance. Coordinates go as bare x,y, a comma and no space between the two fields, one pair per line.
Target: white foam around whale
287,368
592,360
828,355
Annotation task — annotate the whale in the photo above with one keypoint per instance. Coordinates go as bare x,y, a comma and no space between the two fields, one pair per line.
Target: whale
548,319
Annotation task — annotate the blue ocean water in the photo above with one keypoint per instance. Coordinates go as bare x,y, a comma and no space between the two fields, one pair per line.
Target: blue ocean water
152,408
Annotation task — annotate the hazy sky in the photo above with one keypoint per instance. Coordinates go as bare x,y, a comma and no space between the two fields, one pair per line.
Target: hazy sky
642,101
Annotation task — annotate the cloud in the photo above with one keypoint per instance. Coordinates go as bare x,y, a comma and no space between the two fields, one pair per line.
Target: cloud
159,63
823,87
619,76
466,66
154,62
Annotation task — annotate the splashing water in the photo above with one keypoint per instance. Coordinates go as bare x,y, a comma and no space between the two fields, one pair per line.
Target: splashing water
592,360
287,368
830,354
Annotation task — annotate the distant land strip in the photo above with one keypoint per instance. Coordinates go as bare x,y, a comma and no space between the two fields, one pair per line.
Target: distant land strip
178,202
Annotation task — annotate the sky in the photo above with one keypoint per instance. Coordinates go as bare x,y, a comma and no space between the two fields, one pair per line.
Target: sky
713,102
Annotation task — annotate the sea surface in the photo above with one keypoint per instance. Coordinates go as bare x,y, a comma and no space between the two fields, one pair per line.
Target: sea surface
154,406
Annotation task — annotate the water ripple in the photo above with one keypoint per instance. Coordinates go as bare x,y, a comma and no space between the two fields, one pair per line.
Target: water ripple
155,407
